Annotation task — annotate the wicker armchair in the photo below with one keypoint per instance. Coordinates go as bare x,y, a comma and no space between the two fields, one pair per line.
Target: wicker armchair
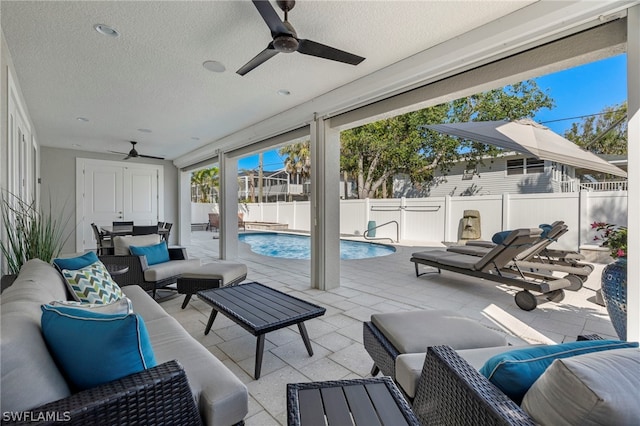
137,265
452,392
159,395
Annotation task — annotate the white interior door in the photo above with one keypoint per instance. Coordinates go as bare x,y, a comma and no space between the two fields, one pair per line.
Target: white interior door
110,191
140,195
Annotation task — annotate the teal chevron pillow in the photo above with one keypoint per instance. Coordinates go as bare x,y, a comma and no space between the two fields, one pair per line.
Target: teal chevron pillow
93,348
157,253
513,372
76,262
92,284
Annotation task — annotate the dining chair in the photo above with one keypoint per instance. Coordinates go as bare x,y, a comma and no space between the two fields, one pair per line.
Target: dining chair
145,230
103,242
161,225
167,229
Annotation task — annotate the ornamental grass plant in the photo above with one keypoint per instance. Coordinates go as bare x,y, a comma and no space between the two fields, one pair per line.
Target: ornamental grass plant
30,232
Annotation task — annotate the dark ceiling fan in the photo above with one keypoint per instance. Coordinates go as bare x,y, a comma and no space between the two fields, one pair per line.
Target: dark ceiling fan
286,40
134,154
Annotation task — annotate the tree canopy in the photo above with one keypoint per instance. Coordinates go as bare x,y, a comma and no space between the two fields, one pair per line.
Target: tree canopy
604,133
375,152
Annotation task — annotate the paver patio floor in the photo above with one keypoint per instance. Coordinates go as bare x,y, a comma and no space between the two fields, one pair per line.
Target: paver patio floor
367,286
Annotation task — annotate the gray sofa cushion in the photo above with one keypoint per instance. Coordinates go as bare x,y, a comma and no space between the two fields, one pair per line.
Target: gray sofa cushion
221,397
30,377
409,366
414,331
593,389
173,268
121,243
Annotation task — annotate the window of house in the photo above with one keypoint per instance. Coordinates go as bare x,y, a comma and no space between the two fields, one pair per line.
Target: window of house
524,166
515,167
534,166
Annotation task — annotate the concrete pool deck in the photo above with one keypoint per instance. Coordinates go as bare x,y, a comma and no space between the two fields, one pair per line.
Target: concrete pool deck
367,286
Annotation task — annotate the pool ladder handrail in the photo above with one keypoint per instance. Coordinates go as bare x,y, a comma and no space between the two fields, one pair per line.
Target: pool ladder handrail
366,237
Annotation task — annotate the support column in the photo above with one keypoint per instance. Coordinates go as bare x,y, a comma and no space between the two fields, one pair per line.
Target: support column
325,206
633,192
184,208
228,207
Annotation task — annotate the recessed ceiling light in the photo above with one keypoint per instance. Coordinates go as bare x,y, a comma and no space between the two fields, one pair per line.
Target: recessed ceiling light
214,66
283,92
145,130
195,138
106,30
76,144
83,119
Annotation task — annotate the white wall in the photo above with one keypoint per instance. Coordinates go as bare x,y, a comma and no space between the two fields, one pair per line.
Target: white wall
437,219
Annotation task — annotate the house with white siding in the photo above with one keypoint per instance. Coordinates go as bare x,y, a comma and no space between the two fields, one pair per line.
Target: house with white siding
512,173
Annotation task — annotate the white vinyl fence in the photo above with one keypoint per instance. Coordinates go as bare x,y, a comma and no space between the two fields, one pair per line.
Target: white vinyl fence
438,219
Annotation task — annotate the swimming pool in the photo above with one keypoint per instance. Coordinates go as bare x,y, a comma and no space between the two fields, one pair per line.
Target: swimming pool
289,246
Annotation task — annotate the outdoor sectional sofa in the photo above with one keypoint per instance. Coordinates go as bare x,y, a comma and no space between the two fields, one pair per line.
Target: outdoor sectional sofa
188,386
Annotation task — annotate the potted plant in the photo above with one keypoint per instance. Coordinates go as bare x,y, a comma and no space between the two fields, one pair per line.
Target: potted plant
29,233
614,275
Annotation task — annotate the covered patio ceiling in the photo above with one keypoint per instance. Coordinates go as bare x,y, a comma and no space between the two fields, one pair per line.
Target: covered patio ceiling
149,84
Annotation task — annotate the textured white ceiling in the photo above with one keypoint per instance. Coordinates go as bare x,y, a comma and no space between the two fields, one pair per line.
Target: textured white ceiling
152,76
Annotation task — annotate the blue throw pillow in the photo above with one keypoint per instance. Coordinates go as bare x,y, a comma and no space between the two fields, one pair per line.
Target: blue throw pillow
93,348
158,253
499,237
514,372
79,262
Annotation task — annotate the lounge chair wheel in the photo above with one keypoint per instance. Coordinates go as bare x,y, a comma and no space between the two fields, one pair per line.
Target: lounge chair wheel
576,282
526,301
555,296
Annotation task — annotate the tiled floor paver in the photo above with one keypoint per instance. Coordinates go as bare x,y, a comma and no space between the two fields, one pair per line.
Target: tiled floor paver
383,284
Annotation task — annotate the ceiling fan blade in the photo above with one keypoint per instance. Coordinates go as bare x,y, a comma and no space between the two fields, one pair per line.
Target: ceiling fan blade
151,156
270,16
117,152
259,59
308,47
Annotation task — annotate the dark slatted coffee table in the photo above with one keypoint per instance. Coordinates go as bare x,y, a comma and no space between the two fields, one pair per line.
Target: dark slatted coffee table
260,309
371,402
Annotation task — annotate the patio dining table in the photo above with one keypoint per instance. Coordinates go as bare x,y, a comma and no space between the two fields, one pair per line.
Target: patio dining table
115,231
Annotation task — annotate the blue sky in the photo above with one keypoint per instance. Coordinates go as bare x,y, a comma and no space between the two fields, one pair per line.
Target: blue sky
578,91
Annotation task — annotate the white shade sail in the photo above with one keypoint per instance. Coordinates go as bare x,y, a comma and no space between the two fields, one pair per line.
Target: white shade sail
530,138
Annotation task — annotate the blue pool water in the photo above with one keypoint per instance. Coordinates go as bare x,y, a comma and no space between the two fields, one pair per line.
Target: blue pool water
290,246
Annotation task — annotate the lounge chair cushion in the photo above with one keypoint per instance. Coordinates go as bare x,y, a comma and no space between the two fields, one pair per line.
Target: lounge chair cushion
433,255
514,372
602,389
464,261
414,331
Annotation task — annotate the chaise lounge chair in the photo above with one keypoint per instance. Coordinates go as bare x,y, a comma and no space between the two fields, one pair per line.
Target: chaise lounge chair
496,266
533,259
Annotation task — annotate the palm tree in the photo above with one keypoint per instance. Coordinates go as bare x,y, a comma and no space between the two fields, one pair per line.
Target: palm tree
298,159
206,180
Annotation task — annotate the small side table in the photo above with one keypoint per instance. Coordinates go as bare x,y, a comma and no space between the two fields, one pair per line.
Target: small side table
375,401
115,269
